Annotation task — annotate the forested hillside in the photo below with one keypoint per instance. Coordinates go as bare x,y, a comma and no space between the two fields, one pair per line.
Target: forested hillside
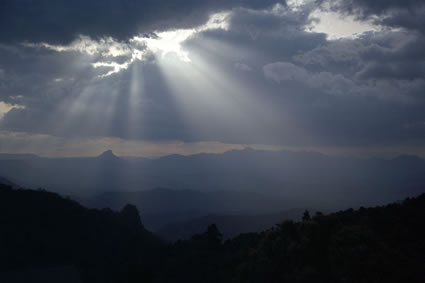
42,229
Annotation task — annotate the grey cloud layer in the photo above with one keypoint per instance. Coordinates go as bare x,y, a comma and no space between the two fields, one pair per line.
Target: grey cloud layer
302,88
60,21
407,14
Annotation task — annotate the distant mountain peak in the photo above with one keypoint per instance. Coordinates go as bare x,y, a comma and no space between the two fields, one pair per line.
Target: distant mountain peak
108,154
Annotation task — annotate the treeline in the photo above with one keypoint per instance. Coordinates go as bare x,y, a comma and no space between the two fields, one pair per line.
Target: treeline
382,244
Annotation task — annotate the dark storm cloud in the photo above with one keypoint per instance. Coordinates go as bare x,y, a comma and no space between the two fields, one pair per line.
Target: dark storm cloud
374,55
30,73
60,21
404,61
407,14
306,90
272,35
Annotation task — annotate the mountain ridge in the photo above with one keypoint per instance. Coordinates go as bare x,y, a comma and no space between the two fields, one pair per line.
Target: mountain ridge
302,178
110,152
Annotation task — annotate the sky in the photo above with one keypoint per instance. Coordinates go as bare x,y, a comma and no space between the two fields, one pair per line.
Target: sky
150,78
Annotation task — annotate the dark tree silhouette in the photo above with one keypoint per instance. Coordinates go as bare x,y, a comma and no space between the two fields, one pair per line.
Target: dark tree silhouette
306,216
42,231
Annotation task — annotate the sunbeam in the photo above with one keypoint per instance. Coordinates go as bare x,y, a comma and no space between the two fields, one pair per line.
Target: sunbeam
135,101
210,101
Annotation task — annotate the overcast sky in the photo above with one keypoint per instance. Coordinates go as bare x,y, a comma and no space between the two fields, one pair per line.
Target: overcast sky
150,78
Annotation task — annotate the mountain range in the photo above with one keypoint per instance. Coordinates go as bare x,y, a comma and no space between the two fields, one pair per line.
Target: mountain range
302,179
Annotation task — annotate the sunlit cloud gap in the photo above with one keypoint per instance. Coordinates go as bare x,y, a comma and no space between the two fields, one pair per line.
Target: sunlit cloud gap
337,26
163,43
139,48
6,107
171,41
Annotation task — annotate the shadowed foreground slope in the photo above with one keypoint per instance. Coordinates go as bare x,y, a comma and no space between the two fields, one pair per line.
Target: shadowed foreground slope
41,229
383,244
44,231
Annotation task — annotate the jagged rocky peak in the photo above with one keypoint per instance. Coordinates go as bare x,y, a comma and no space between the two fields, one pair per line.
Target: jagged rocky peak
131,215
108,154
